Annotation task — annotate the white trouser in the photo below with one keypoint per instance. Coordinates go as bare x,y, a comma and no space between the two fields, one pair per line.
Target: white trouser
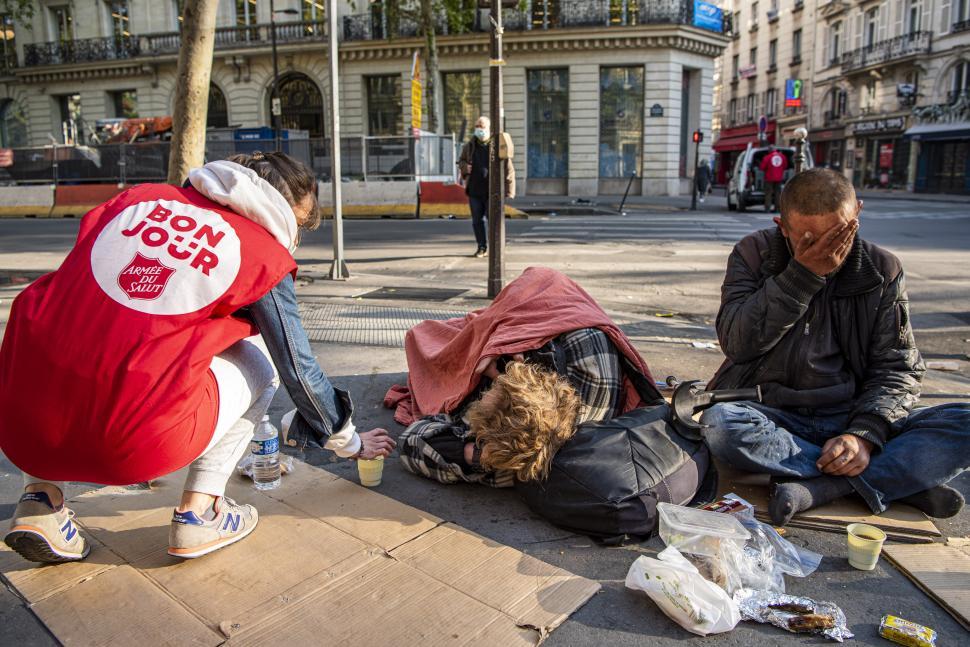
247,382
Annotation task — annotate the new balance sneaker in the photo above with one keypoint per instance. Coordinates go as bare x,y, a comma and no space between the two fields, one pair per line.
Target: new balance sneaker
191,536
42,534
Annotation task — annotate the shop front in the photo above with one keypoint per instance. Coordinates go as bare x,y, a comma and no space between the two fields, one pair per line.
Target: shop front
828,147
943,164
732,142
881,153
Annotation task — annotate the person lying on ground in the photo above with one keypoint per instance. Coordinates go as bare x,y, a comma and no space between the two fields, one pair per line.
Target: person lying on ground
819,318
156,346
524,403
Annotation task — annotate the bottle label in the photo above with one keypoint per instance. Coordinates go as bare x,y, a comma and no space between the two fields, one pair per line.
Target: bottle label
265,447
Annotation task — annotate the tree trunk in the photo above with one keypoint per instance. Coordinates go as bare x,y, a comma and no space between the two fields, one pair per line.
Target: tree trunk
192,88
431,63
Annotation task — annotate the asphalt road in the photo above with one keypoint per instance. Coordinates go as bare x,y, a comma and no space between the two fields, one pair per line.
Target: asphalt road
657,260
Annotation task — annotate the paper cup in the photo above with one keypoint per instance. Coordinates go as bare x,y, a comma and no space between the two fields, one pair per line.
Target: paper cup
370,471
865,544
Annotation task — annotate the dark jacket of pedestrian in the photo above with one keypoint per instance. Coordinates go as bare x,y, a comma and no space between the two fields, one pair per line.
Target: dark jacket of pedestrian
473,168
812,342
703,177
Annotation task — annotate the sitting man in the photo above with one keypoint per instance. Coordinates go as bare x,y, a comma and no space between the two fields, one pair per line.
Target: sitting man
502,389
820,319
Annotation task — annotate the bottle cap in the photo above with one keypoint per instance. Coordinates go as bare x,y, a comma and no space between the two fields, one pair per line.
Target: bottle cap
266,418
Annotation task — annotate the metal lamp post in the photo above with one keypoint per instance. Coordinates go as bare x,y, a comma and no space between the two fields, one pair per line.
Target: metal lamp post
697,138
801,139
274,102
338,270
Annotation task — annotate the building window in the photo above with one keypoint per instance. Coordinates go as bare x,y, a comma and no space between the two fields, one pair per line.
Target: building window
313,11
545,13
914,16
62,23
736,24
754,16
773,53
872,26
796,44
839,100
245,12
868,99
8,41
835,43
959,81
69,106
735,65
125,104
178,11
548,115
749,108
13,125
120,23
624,12
301,104
463,102
733,111
217,115
961,12
384,107
753,56
771,102
621,121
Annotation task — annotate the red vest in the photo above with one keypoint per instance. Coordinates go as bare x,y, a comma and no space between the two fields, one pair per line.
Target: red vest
104,368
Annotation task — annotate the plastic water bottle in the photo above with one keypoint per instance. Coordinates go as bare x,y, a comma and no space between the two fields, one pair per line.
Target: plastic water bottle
265,448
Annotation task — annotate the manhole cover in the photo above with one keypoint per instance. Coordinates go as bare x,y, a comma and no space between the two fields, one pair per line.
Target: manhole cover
412,294
365,325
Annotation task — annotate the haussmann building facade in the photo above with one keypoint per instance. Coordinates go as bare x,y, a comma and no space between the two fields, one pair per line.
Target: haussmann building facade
596,91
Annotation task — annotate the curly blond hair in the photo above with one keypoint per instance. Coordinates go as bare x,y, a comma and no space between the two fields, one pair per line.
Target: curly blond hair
523,419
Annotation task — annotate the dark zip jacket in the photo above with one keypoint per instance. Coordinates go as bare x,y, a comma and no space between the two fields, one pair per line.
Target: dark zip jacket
820,343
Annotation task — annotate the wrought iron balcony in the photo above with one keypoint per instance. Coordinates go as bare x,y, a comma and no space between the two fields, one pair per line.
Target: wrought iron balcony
90,50
84,50
572,14
963,25
885,51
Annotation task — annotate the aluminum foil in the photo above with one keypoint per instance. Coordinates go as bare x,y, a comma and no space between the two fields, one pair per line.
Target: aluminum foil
756,605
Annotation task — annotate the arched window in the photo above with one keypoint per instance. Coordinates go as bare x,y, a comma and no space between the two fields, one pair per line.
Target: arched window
218,114
301,104
13,125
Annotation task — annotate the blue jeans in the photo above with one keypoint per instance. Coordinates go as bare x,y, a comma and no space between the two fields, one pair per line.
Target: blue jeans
927,449
479,209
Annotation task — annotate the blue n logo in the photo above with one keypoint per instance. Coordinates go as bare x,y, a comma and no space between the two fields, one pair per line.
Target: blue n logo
231,520
69,530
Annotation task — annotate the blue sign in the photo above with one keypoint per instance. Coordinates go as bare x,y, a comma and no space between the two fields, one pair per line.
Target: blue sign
708,16
793,93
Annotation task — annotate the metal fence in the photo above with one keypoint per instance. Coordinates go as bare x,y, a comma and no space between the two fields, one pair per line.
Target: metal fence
362,158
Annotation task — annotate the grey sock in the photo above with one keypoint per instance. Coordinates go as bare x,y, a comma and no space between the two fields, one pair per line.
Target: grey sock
941,501
791,497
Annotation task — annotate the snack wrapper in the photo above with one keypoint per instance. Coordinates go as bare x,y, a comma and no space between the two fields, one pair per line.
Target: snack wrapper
906,633
794,614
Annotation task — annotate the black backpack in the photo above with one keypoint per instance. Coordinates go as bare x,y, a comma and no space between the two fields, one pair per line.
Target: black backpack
606,481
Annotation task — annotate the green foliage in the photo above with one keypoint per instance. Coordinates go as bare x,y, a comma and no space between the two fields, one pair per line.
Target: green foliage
22,11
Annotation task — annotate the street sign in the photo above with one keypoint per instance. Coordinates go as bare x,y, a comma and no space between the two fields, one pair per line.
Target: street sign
416,92
793,93
277,108
708,16
656,110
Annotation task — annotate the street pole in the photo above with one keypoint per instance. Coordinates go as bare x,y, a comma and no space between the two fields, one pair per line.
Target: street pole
800,158
697,160
274,108
338,270
496,176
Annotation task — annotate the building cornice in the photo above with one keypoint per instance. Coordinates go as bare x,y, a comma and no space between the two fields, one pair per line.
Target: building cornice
84,71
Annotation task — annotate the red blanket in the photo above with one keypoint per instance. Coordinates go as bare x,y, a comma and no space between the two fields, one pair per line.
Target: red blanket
536,307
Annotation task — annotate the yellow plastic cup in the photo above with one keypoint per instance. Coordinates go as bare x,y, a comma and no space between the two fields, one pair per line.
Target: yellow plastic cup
865,544
370,471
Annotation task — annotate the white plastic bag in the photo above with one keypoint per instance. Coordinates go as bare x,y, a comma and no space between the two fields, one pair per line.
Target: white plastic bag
699,606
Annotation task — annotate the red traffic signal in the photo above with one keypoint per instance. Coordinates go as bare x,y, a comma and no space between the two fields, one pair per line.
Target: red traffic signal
698,137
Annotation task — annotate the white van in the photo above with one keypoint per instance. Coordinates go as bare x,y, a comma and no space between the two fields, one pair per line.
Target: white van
746,186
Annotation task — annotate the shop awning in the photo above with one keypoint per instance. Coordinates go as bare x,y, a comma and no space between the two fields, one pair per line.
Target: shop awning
738,138
930,132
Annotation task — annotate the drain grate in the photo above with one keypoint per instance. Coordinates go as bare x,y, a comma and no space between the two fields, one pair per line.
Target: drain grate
412,294
365,325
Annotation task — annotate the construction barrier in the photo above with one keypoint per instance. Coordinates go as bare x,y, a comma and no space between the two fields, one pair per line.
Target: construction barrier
34,201
371,199
75,200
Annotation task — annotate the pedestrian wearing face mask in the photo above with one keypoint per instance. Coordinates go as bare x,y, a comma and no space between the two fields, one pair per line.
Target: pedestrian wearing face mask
473,167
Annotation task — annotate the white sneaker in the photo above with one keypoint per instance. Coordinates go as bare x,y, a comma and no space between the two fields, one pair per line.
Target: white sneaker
190,536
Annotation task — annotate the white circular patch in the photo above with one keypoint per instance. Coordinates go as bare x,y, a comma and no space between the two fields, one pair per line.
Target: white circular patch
166,258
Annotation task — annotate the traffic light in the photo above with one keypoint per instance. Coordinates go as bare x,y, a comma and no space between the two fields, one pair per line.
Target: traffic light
698,137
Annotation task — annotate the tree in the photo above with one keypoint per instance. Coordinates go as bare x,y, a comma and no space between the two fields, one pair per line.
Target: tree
192,88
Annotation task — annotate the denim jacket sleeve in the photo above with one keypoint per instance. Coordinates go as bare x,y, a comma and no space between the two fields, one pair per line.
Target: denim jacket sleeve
323,413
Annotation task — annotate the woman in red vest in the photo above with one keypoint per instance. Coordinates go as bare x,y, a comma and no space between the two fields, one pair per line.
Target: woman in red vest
159,343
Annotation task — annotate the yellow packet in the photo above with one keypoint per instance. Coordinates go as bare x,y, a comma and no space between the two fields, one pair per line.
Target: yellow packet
906,633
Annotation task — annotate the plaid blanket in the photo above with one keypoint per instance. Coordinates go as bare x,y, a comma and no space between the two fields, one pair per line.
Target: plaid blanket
433,446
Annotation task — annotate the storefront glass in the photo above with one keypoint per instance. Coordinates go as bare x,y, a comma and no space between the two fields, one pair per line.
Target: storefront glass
621,121
548,115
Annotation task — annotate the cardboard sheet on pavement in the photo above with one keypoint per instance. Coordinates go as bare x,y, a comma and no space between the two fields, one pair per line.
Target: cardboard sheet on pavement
900,522
942,571
330,563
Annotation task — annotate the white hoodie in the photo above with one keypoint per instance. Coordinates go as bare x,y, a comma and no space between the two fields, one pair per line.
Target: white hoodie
245,193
